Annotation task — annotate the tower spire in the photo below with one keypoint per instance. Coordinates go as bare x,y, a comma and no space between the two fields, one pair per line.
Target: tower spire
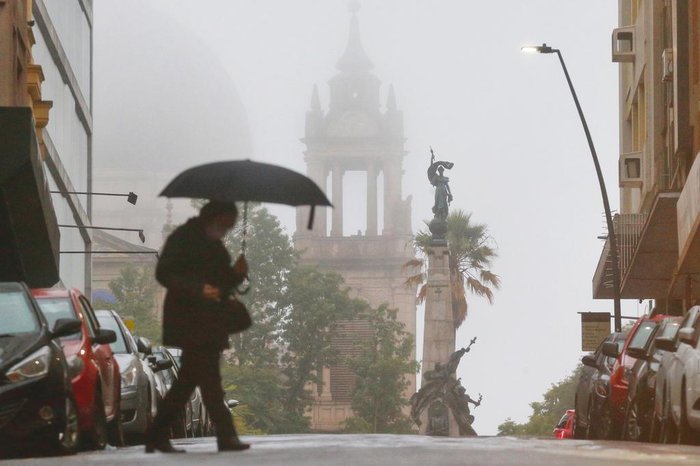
354,58
315,100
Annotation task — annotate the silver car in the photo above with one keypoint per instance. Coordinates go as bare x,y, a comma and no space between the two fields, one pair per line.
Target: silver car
138,392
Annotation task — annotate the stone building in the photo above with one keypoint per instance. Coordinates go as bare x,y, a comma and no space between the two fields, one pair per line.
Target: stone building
46,65
354,134
657,46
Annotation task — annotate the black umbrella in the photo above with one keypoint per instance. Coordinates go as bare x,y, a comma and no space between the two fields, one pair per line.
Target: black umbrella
245,180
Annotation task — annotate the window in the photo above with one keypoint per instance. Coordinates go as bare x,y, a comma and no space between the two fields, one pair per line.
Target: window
58,308
16,314
110,323
641,336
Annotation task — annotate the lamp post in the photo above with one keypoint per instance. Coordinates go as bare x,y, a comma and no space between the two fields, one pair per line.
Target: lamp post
544,48
131,197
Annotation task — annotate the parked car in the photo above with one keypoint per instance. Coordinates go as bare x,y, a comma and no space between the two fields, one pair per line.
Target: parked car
95,372
565,427
37,405
593,388
639,407
682,391
139,395
613,411
190,422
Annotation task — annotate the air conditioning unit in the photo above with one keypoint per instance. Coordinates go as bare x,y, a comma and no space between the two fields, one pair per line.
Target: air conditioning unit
667,65
631,169
623,44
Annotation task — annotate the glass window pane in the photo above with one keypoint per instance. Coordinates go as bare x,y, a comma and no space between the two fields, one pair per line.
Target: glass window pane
16,314
58,308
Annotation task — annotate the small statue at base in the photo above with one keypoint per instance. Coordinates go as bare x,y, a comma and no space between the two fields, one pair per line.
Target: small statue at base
442,390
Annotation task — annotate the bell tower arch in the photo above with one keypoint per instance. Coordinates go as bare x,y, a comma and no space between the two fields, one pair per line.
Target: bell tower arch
357,134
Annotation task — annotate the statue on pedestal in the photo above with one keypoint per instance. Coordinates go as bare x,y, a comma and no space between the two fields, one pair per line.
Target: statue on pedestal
443,195
442,392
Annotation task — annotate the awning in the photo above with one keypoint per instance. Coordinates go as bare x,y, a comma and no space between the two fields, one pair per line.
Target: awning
647,252
29,236
649,273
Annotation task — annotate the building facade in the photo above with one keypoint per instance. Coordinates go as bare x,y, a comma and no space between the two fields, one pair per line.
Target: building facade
355,135
47,48
657,46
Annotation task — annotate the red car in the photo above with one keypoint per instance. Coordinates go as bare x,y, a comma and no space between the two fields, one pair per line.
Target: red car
93,370
565,428
638,336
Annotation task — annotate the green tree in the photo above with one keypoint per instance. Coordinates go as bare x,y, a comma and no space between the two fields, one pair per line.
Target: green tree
134,290
546,413
384,361
471,253
271,257
314,303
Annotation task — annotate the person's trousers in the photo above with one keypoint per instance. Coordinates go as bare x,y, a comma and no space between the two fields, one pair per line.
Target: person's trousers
199,367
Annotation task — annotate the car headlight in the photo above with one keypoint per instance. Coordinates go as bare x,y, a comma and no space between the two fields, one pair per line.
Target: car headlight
75,366
129,378
626,374
601,388
33,366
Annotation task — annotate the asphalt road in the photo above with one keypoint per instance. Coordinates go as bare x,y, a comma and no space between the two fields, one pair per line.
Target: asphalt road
396,450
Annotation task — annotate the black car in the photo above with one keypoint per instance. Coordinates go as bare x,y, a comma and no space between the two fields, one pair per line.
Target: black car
37,406
639,407
593,388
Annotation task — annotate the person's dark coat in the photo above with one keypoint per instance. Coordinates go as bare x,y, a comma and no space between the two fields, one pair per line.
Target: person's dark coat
188,261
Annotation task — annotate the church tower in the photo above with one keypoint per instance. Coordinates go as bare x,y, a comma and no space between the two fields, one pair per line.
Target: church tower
357,134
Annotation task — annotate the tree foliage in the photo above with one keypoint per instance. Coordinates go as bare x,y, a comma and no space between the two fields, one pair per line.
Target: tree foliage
381,368
546,413
471,254
135,290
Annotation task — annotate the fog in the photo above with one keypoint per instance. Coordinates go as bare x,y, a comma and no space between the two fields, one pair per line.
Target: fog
178,83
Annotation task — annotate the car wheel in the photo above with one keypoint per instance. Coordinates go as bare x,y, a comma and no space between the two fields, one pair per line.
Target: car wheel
669,432
115,433
578,430
96,439
685,433
631,429
68,439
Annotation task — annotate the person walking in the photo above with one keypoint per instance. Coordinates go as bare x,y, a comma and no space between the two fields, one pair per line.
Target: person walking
196,270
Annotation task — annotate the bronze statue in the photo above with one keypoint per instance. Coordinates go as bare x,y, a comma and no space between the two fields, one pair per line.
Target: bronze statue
442,389
443,195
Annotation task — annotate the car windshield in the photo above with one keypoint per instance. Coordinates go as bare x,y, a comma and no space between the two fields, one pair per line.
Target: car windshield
641,336
670,330
58,308
562,421
16,315
110,323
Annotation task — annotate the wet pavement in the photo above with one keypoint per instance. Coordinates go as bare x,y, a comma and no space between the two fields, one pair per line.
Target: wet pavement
319,449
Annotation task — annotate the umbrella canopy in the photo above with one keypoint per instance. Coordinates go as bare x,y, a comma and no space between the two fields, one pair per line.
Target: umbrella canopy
245,180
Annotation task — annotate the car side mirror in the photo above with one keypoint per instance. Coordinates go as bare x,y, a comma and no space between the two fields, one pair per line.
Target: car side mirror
65,327
589,361
104,336
143,345
162,365
637,353
686,335
232,403
665,344
610,349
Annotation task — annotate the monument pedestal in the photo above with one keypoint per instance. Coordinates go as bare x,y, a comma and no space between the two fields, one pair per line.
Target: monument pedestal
438,335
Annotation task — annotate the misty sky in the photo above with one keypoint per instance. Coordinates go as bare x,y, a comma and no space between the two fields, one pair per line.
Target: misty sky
507,121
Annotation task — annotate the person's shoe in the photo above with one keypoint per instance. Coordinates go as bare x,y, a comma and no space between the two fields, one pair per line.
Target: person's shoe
163,446
233,445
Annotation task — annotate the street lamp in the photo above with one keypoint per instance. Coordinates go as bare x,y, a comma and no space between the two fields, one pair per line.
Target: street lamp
142,237
544,48
131,197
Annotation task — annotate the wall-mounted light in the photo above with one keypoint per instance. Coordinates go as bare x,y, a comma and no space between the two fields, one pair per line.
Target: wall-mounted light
131,197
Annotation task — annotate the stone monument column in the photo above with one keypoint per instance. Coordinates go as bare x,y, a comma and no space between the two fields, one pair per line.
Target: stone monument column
439,329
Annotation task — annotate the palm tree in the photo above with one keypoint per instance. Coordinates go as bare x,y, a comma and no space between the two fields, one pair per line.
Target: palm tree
471,253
